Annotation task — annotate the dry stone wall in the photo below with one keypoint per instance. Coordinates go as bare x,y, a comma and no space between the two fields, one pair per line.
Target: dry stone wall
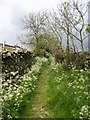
15,65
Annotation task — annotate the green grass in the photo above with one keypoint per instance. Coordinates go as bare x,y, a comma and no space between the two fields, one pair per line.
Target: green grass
58,97
18,100
59,93
66,100
38,107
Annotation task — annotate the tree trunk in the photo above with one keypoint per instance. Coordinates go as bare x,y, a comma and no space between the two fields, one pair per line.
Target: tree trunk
81,42
67,48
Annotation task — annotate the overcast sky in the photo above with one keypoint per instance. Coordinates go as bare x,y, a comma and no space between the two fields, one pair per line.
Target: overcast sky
11,12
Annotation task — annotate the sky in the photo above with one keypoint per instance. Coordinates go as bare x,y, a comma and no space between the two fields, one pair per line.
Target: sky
12,12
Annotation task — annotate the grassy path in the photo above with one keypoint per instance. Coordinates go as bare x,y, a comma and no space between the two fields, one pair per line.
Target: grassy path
39,107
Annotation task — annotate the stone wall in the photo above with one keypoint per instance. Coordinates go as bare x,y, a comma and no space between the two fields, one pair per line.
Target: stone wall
15,64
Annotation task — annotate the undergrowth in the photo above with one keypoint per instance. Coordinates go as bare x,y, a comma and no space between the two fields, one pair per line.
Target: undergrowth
68,92
17,99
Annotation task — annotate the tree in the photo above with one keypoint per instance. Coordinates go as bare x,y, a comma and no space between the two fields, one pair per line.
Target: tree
63,23
35,25
55,30
46,44
71,19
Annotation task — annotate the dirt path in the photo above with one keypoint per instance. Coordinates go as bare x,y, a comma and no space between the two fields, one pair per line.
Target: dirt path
39,107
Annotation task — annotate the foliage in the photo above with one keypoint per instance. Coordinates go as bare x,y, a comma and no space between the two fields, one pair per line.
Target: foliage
78,59
68,92
88,28
81,60
67,23
68,82
46,44
17,97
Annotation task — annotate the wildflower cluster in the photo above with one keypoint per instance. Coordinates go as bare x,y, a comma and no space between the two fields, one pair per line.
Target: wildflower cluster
69,91
14,96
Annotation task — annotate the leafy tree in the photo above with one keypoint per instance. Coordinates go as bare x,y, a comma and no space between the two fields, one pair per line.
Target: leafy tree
46,44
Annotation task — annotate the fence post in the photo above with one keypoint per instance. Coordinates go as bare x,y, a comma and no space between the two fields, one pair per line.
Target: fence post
4,45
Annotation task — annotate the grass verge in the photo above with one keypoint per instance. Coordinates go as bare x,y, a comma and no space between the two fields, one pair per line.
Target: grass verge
68,92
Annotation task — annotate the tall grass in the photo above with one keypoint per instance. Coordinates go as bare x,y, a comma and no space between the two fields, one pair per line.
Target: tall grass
68,92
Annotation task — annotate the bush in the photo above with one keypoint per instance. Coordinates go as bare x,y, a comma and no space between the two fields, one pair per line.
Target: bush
46,44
